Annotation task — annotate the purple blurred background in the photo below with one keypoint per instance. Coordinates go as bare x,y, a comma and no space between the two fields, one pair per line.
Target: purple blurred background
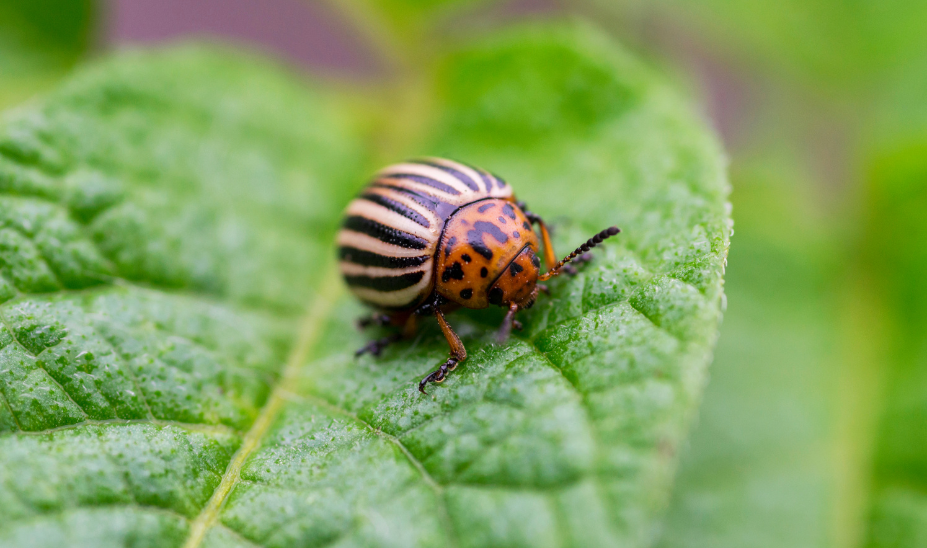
307,34
313,35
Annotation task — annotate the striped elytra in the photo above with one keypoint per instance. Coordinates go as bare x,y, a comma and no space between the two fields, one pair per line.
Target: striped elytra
391,231
427,236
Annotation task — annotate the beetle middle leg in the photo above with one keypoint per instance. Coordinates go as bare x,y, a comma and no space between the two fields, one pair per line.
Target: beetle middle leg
458,353
376,346
374,320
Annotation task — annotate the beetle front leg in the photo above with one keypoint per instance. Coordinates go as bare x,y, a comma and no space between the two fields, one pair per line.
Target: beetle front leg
550,258
458,354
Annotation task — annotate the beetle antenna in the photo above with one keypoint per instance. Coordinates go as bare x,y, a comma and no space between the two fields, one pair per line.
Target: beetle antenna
590,243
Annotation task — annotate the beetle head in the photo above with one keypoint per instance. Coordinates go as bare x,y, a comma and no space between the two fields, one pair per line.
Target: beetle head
518,282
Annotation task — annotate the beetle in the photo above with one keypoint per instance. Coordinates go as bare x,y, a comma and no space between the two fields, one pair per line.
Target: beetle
431,235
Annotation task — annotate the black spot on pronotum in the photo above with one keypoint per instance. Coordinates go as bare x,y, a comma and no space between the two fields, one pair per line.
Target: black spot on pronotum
481,249
484,207
495,296
509,211
502,220
475,237
466,293
515,268
450,243
516,234
525,225
466,258
484,272
454,272
484,227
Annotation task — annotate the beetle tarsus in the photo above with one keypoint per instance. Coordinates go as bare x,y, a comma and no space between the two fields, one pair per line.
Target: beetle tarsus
439,374
375,347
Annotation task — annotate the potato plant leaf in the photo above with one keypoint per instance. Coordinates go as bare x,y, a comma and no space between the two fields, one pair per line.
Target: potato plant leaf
177,360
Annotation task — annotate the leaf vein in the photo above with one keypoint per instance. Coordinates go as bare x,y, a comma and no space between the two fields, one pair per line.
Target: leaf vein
308,336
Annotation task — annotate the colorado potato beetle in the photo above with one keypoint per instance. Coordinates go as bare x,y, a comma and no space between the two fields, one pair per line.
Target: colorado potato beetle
428,236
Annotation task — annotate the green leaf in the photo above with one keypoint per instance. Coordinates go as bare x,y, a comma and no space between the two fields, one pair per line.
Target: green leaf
168,219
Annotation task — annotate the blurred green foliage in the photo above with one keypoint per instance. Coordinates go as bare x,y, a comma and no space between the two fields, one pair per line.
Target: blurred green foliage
837,128
39,41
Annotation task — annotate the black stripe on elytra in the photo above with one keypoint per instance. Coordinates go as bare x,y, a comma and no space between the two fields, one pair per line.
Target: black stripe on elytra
461,176
442,209
384,233
385,283
369,258
398,207
486,177
437,185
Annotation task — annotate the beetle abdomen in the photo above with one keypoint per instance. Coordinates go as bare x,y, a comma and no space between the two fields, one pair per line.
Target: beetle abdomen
388,239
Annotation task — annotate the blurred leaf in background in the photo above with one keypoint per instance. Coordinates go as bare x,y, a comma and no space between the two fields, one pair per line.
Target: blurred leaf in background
827,102
39,41
895,252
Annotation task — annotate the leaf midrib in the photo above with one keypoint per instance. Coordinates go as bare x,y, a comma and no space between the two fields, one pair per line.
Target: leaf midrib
307,338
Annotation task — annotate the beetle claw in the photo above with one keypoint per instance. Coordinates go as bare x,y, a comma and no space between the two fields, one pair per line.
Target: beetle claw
438,375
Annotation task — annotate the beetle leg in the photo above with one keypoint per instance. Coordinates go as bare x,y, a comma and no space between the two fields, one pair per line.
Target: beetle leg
458,354
506,328
550,258
378,320
376,346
